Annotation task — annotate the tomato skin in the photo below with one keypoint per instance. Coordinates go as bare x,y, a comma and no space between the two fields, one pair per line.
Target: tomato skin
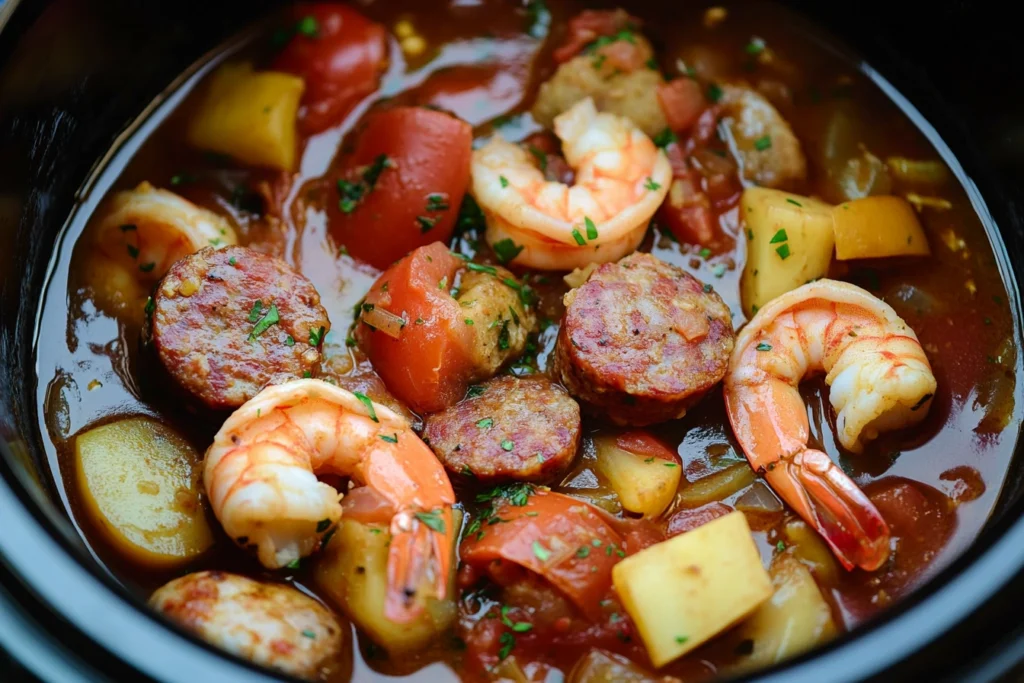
563,527
429,364
689,519
644,443
428,153
341,64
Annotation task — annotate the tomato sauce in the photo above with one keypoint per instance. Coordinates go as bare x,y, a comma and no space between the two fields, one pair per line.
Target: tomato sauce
936,484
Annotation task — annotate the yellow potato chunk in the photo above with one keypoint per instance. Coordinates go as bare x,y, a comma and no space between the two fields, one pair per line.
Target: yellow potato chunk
789,243
794,620
249,116
352,572
139,484
644,485
684,591
877,227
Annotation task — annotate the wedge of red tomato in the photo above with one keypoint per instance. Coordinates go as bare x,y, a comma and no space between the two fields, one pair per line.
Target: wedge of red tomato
339,53
402,185
428,364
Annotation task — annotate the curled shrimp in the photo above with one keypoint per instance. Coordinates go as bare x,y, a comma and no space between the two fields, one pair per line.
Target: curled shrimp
879,380
261,479
145,230
621,179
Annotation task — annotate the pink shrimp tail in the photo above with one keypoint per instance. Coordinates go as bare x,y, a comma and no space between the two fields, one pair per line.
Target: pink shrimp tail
418,561
835,506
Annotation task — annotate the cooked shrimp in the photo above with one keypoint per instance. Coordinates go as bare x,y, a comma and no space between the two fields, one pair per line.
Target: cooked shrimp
621,180
879,380
261,479
269,624
147,229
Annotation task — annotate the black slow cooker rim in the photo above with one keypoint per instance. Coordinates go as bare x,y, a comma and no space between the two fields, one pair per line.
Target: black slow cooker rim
44,567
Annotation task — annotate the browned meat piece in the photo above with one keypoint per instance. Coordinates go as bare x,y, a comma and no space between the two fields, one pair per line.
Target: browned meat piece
227,322
642,341
517,429
769,152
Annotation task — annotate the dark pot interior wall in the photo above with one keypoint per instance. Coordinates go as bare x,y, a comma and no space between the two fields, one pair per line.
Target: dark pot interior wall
74,72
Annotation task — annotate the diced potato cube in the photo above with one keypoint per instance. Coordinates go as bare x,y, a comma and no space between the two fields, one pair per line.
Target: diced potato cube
807,546
789,243
876,227
685,590
794,620
644,484
139,484
249,116
352,571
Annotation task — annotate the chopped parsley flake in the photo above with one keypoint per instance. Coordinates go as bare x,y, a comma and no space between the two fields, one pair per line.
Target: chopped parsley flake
480,268
665,138
763,143
426,223
365,400
317,336
578,237
764,346
432,520
540,156
308,27
542,553
503,180
437,201
389,438
507,445
714,92
290,341
506,249
485,423
649,184
591,228
793,202
778,237
271,317
783,251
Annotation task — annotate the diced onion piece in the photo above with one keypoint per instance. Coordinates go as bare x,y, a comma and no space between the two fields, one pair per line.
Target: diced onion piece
716,487
385,321
914,171
580,275
878,227
922,202
759,500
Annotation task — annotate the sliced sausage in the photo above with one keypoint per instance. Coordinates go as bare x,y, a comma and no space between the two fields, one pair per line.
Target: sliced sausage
522,429
642,341
227,322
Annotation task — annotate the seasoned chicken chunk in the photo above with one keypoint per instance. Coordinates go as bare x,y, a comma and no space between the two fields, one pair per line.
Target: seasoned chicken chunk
270,624
769,153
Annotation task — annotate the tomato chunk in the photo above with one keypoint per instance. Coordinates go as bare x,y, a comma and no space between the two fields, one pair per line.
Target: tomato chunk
683,102
564,540
588,26
340,54
401,186
428,365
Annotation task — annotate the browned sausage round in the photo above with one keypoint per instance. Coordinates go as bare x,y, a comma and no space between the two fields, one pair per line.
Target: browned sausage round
227,322
515,429
642,341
